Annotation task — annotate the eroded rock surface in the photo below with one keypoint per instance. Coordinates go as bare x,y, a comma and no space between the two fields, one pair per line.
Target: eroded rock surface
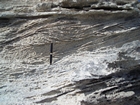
96,59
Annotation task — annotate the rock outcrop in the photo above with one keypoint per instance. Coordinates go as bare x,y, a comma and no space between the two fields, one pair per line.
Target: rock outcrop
96,58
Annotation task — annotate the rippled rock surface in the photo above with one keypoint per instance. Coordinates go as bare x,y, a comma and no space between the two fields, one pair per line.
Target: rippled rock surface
96,53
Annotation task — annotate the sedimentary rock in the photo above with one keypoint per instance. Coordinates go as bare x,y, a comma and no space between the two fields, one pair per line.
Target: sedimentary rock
96,58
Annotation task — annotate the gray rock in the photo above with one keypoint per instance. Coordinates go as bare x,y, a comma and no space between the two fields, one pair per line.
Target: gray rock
96,53
43,7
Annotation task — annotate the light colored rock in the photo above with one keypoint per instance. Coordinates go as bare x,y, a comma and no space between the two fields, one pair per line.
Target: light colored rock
96,57
43,7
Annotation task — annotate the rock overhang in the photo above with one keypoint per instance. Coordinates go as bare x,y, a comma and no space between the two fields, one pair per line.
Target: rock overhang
68,7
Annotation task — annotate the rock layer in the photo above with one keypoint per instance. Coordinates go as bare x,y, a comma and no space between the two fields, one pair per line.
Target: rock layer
96,57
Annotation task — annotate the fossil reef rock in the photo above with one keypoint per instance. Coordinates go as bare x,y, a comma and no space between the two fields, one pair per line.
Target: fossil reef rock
96,52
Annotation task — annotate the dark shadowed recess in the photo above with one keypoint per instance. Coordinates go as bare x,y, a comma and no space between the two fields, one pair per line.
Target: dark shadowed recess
4,22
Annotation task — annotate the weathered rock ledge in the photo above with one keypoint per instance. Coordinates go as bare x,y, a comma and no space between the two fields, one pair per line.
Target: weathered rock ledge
30,8
96,58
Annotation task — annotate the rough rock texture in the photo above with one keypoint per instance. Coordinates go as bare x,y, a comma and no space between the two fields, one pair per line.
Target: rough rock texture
96,59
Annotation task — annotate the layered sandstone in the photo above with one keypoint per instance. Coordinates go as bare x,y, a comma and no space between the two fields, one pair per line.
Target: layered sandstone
96,58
